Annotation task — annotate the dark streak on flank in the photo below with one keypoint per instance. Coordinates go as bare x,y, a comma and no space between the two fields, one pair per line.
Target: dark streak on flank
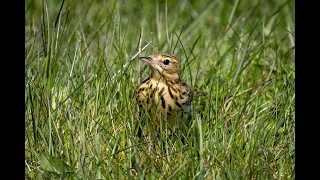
161,91
142,89
170,108
153,93
163,102
150,86
179,105
171,95
174,89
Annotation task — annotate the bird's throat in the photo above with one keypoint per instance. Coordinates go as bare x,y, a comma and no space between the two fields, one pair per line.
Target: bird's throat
163,76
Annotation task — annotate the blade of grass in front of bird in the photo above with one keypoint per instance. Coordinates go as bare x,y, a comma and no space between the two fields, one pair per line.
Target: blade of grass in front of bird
125,66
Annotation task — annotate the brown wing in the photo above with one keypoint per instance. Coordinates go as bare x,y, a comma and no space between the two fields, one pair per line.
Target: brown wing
186,100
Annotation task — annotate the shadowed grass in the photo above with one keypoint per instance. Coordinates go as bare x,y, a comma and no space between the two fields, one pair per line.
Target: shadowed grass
80,78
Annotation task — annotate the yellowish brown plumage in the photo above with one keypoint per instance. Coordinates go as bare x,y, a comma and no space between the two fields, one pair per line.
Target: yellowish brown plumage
164,91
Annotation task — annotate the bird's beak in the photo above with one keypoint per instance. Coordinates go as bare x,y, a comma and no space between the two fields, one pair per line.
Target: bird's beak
146,59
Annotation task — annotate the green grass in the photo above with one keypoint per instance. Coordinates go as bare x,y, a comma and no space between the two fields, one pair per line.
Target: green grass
80,116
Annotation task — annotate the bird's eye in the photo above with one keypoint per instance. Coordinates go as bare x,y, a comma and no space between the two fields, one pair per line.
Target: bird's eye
166,62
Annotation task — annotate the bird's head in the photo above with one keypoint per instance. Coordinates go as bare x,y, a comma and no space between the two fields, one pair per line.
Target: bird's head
163,65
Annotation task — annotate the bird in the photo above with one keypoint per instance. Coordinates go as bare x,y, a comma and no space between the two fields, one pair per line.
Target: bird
164,92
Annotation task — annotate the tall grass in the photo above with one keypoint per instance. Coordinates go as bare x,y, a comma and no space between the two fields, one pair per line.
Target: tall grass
80,79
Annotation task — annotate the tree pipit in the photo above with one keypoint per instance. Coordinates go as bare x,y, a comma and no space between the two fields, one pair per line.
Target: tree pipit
163,92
